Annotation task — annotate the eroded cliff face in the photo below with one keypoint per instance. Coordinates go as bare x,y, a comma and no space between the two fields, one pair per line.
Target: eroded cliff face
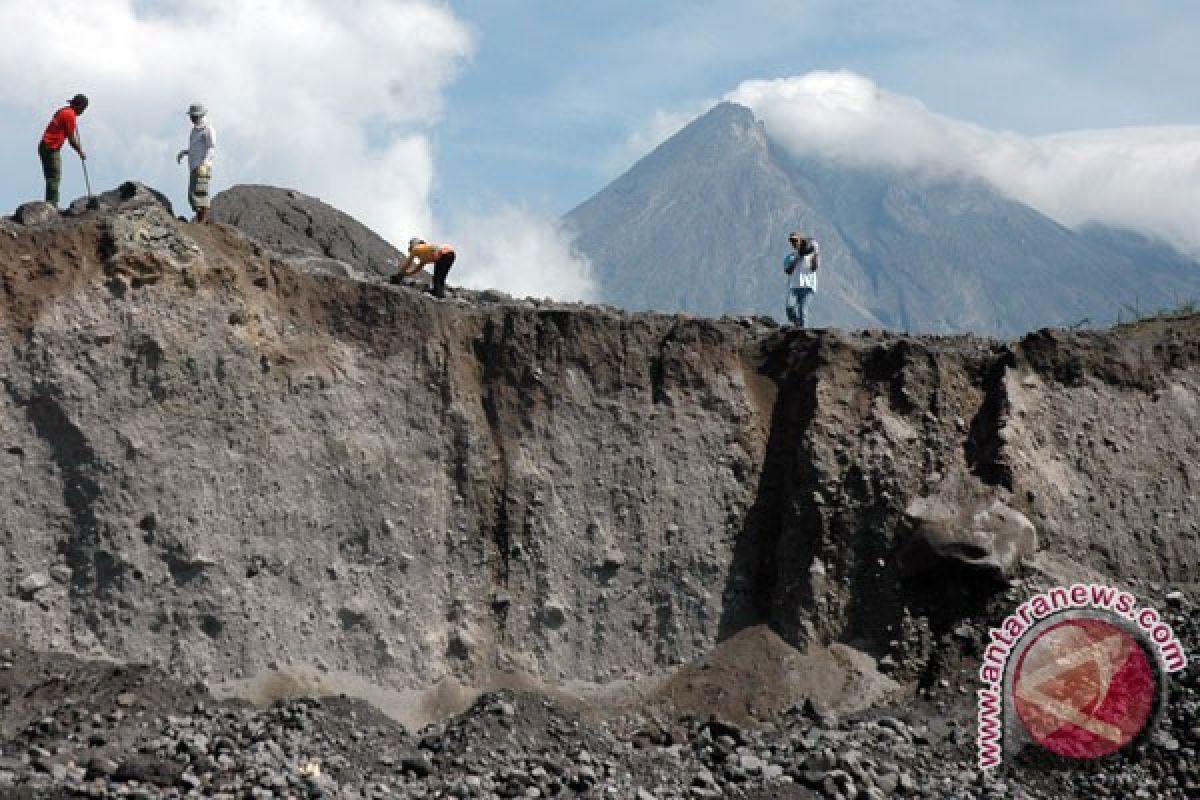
215,462
239,464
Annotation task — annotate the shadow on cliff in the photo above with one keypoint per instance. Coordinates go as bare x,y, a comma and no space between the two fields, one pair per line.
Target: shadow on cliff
751,595
818,558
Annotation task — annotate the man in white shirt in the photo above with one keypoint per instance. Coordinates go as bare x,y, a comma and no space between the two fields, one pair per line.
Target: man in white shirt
801,267
201,146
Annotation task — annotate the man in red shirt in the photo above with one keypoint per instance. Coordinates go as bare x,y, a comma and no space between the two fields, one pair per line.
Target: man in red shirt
61,129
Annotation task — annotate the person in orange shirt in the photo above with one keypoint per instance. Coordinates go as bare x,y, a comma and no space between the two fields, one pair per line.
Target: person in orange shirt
62,128
420,253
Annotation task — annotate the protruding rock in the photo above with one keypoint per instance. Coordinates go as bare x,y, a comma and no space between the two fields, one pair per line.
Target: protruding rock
38,213
992,539
317,237
33,583
128,195
553,614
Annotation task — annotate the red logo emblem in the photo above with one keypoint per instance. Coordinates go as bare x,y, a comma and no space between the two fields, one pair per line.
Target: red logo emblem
1084,688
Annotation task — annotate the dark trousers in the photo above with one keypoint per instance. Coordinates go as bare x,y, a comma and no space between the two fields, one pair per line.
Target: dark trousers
52,170
441,268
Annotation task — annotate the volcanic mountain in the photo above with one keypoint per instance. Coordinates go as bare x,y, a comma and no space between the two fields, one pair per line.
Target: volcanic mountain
700,226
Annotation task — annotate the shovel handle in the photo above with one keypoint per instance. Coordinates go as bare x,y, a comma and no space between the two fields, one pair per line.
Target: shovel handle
83,162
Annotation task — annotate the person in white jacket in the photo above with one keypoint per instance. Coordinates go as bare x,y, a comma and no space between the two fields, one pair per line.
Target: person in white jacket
801,267
200,150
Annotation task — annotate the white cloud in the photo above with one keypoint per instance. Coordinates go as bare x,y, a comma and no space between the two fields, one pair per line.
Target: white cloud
844,116
1142,178
522,254
333,98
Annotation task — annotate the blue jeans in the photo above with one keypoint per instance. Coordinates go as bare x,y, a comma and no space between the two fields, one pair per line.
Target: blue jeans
797,305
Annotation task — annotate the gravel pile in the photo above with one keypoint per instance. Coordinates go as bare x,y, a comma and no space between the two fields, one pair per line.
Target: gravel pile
77,729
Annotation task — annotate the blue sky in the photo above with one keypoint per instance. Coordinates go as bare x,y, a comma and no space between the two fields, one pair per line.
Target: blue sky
482,121
555,89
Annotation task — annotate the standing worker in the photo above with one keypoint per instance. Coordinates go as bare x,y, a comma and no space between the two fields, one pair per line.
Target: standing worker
421,253
801,267
200,149
62,128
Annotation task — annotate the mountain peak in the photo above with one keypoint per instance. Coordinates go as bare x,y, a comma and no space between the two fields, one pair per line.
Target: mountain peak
700,226
725,124
729,112
715,134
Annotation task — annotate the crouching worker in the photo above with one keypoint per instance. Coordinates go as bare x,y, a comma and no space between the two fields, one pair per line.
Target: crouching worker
420,253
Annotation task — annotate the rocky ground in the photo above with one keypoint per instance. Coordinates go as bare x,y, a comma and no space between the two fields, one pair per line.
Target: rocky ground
88,729
630,555
307,230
